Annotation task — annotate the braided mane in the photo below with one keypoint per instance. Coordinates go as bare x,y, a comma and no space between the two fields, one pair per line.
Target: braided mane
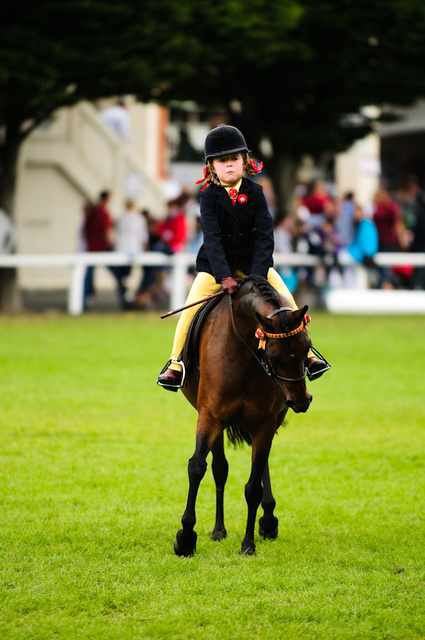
258,286
264,288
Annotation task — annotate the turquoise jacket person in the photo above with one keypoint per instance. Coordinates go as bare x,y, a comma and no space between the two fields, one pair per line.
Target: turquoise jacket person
365,243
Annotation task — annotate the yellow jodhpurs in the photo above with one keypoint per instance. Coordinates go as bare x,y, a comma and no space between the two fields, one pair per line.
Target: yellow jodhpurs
205,285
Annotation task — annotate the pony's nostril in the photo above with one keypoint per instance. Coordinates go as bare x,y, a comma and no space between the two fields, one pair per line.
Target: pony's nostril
299,407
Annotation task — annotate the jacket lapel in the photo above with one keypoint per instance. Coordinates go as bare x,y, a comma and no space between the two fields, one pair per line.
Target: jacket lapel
224,200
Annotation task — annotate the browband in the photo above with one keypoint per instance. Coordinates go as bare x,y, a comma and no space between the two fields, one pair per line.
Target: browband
261,334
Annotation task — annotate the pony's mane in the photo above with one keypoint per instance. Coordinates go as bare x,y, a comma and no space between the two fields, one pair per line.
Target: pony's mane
264,288
261,287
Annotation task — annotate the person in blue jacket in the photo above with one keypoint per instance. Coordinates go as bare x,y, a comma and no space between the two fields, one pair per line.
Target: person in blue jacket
238,238
365,243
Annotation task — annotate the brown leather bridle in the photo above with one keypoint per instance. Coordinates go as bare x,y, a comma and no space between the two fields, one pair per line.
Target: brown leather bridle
265,362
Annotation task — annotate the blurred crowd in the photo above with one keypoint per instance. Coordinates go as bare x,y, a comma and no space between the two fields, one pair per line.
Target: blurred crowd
334,228
135,231
337,230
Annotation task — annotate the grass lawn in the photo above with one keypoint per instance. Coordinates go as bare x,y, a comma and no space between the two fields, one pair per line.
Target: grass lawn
93,483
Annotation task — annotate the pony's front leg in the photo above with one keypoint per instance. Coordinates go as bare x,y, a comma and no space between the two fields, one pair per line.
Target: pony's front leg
185,542
268,524
220,469
254,492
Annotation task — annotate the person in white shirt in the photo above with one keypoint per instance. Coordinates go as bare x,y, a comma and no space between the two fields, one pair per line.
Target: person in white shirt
131,237
131,230
118,119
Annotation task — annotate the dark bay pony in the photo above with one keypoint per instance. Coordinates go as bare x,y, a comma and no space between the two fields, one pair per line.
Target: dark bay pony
247,391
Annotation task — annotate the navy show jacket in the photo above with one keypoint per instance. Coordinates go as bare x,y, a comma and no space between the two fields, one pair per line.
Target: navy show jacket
236,237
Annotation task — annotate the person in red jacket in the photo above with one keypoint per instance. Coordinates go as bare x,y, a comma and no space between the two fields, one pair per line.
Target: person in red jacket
389,224
97,233
173,230
387,220
168,236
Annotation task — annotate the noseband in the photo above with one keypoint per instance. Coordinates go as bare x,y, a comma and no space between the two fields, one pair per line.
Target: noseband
261,334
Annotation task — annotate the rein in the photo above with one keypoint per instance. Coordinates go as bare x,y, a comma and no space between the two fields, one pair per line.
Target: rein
265,362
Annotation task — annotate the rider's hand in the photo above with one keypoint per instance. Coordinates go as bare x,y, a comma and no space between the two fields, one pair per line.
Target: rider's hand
229,285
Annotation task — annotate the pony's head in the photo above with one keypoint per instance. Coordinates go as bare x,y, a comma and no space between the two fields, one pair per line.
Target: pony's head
283,340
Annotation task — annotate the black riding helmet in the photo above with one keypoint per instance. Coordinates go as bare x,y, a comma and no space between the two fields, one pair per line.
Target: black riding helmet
223,140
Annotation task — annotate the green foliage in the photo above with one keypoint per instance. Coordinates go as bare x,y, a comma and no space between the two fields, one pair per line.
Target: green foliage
61,52
302,73
300,70
58,53
93,483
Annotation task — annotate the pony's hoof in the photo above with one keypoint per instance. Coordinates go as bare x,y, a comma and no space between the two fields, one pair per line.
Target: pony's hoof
268,532
247,550
183,548
219,535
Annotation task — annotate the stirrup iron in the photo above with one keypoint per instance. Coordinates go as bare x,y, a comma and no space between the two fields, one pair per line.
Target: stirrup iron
317,374
182,365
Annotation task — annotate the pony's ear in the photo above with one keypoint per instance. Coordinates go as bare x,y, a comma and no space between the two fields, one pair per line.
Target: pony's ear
300,313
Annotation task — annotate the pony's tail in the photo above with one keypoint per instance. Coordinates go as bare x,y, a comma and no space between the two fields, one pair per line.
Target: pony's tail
238,437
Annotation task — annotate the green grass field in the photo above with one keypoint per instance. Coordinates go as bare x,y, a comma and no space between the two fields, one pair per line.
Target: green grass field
94,481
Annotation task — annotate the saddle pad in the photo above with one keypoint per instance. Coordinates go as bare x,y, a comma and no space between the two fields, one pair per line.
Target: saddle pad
190,353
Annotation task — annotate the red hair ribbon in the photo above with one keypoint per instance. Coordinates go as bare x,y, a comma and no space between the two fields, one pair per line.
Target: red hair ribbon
203,179
256,168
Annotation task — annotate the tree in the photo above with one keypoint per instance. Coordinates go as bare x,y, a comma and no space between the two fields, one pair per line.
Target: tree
297,72
57,53
305,90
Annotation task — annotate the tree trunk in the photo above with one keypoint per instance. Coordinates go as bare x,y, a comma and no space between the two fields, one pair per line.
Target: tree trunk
9,152
10,299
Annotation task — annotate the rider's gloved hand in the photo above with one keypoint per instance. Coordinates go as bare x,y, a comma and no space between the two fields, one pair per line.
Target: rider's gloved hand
229,285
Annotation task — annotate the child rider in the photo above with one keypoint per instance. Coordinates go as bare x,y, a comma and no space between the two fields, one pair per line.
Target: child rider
238,238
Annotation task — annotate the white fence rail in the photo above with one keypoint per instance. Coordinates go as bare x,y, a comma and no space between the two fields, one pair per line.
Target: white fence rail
179,264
